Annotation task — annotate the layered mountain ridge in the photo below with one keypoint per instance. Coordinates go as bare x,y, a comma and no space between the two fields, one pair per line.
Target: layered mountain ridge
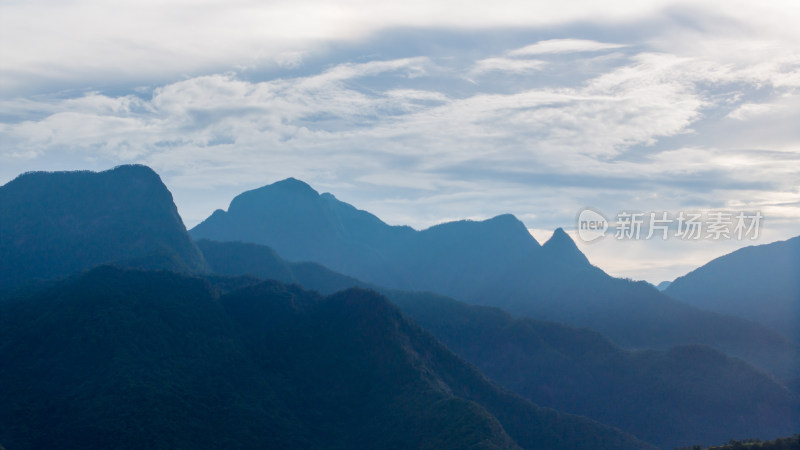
658,395
165,352
494,262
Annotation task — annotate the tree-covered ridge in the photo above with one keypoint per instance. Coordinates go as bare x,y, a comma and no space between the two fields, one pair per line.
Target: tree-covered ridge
126,359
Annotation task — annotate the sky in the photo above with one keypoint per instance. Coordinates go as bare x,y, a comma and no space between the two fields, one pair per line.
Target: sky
423,112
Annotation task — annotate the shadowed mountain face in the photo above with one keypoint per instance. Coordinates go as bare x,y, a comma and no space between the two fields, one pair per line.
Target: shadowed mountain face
761,283
496,262
128,359
54,224
678,397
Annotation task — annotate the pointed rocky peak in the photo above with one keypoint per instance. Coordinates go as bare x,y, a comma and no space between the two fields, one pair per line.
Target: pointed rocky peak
560,238
561,247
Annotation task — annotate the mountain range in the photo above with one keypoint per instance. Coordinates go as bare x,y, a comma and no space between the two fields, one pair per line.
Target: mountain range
495,263
174,343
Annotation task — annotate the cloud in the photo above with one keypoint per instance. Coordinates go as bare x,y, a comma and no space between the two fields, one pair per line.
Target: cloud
554,46
62,44
748,111
506,65
289,60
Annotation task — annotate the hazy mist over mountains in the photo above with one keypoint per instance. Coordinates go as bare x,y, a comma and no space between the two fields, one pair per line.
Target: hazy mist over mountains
298,321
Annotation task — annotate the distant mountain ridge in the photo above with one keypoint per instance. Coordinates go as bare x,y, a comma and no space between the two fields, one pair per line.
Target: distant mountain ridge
56,223
494,262
759,282
302,225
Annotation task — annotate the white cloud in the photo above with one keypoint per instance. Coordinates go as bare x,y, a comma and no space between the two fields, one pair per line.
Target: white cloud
506,65
553,46
56,42
289,59
748,111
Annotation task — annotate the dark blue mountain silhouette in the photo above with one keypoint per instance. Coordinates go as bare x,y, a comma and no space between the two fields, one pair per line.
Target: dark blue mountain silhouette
54,224
494,262
760,283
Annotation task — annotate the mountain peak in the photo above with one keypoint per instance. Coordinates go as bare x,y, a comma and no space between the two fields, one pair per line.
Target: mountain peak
561,246
559,237
288,186
505,219
509,223
292,183
256,199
